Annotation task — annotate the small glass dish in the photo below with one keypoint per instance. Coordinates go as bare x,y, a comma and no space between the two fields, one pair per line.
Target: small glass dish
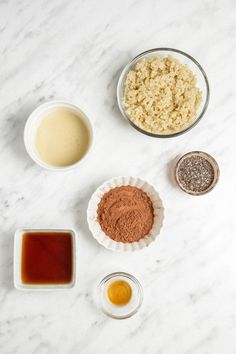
125,311
207,157
184,58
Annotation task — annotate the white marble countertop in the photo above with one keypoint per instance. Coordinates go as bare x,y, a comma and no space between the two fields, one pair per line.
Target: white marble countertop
75,50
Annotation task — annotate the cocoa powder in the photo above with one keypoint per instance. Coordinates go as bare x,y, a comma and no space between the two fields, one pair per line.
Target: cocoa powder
125,214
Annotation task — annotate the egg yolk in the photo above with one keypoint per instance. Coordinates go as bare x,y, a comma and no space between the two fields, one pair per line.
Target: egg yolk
119,293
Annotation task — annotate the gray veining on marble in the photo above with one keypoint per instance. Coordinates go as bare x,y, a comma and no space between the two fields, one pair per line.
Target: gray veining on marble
75,50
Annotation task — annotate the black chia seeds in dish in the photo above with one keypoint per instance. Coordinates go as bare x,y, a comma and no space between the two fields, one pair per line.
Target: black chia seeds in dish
195,173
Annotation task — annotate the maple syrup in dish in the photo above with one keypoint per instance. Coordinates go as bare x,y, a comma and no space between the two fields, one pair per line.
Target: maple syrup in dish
47,258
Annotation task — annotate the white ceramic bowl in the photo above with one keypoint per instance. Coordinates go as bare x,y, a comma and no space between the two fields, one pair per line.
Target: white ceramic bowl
31,128
95,227
18,283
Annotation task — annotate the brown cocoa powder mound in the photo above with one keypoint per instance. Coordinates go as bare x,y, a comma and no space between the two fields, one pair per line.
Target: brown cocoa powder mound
125,214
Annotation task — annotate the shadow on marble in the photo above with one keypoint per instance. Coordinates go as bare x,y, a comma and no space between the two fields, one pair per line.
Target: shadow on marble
79,211
7,246
111,101
170,170
15,124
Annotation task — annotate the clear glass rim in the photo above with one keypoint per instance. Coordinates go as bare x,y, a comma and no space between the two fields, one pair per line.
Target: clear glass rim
139,56
135,281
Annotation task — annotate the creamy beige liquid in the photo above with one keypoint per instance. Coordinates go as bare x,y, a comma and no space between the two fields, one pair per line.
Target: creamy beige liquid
62,138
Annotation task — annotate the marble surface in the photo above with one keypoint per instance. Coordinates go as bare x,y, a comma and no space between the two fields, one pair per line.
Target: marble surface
75,50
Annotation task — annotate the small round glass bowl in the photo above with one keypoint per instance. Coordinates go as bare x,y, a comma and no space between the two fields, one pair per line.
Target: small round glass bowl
184,58
125,311
208,158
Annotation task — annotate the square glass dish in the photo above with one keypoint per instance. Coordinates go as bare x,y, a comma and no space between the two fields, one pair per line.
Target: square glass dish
44,259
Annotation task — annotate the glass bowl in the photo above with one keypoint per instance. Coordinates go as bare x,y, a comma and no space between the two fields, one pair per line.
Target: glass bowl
184,58
125,311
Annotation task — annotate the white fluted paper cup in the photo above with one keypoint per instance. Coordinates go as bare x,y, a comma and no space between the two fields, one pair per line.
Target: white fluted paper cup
96,229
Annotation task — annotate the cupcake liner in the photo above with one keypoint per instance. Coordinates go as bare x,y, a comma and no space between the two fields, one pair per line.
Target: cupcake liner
95,227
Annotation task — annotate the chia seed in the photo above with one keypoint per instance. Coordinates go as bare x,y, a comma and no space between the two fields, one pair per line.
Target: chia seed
195,173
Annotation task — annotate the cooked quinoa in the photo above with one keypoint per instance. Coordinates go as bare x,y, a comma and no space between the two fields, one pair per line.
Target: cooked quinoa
161,95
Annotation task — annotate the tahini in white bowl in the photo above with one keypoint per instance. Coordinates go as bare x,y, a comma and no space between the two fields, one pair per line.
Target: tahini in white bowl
34,122
17,263
96,229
